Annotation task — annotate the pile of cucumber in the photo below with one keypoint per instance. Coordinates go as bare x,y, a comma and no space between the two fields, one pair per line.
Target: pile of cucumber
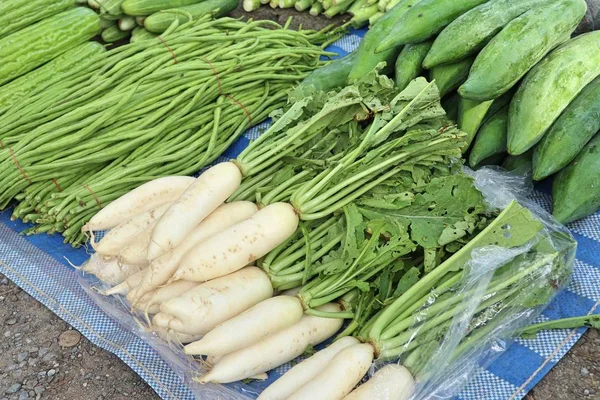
145,19
513,75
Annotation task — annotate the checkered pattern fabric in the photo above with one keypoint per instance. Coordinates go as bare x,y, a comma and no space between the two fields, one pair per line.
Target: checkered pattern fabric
39,265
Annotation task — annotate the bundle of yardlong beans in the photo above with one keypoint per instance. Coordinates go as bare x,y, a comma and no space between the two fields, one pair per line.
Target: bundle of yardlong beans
164,106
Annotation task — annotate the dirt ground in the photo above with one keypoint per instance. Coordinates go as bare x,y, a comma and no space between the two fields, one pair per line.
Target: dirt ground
39,360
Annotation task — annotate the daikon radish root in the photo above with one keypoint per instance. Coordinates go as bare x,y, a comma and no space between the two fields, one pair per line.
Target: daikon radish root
200,309
171,336
163,267
128,284
274,350
136,252
304,372
151,301
108,269
126,232
201,198
341,375
267,317
212,360
239,245
146,197
392,382
260,377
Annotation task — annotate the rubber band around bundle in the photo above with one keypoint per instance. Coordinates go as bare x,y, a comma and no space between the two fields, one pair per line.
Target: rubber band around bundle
169,48
14,158
56,184
238,103
233,99
214,70
98,202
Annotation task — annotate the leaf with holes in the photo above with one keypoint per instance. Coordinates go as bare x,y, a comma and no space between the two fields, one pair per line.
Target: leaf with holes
447,210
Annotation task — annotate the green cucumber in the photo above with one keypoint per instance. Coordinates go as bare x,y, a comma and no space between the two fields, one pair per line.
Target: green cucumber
140,8
409,63
43,41
578,123
470,32
520,164
450,76
75,59
450,104
367,59
576,189
471,115
105,23
113,34
331,76
138,34
499,103
110,7
491,139
549,88
21,15
519,46
424,20
160,21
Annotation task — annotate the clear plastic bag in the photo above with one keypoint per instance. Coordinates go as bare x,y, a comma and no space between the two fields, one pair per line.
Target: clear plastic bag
502,290
442,348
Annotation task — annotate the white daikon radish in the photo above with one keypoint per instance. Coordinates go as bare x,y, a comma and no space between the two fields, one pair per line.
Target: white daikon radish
201,198
151,301
163,267
171,336
136,252
108,269
392,382
127,232
340,376
200,309
146,197
304,372
276,349
212,360
239,245
267,317
128,284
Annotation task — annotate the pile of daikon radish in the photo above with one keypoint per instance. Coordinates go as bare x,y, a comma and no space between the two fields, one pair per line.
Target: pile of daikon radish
180,253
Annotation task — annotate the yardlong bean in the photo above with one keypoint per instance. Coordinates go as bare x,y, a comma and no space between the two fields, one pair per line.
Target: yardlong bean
148,109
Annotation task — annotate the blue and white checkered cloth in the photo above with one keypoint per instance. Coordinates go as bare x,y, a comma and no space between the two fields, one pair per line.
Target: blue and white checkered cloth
38,265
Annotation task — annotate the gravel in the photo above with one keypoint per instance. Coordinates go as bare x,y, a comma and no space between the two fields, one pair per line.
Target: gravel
33,364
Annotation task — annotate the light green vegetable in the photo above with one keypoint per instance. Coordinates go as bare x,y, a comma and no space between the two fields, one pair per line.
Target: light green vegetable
39,43
73,61
19,14
589,321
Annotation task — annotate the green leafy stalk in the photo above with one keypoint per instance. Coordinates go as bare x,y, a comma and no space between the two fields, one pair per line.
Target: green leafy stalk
588,321
514,227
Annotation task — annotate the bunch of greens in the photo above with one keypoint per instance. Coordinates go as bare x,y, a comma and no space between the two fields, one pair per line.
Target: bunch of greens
486,290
